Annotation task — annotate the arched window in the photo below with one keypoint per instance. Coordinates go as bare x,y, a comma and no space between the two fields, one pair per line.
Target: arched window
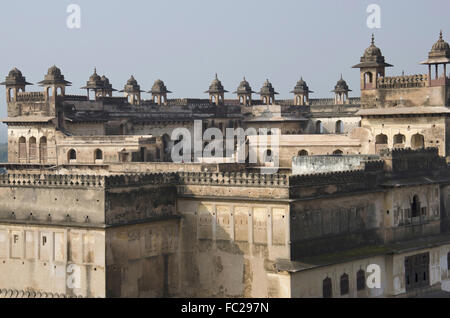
368,77
22,148
381,139
417,141
339,127
43,149
360,280
98,154
448,261
327,288
399,140
344,284
10,94
268,156
302,153
415,207
71,155
319,127
338,152
32,148
381,142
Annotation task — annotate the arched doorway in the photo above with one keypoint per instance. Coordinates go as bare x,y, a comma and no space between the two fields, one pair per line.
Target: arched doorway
22,148
381,142
327,288
71,155
415,207
339,129
368,80
98,155
319,127
43,149
417,142
399,141
32,150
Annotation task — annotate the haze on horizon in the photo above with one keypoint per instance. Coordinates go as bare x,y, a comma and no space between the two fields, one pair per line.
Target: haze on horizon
185,43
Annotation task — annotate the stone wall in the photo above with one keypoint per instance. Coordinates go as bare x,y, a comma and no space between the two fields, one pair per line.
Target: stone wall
228,248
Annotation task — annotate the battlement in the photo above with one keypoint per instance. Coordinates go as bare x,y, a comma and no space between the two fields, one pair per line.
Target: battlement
243,179
140,179
75,97
30,97
317,179
405,81
113,100
413,161
408,151
51,180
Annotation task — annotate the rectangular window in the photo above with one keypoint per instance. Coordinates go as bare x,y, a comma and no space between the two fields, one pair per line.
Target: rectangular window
424,211
16,238
44,240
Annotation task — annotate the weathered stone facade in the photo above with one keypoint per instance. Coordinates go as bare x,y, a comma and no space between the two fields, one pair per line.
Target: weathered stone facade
92,206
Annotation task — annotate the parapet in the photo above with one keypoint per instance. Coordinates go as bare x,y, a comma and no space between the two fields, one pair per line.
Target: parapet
412,161
51,180
304,165
30,97
234,179
405,81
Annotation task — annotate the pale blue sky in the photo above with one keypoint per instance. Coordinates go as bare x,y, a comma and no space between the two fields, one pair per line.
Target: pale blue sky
185,42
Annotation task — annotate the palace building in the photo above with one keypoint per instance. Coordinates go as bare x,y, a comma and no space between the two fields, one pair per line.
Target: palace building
92,204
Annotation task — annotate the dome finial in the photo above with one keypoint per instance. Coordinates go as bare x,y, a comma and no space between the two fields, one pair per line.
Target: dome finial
440,35
373,39
216,76
341,76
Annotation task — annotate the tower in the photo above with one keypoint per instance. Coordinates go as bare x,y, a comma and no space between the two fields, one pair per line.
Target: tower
372,66
301,93
15,82
216,92
439,55
267,93
159,93
244,93
341,91
95,84
132,91
54,84
107,89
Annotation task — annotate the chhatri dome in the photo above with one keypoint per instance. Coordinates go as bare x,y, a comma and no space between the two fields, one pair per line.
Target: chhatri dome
244,88
216,87
440,52
341,86
301,87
